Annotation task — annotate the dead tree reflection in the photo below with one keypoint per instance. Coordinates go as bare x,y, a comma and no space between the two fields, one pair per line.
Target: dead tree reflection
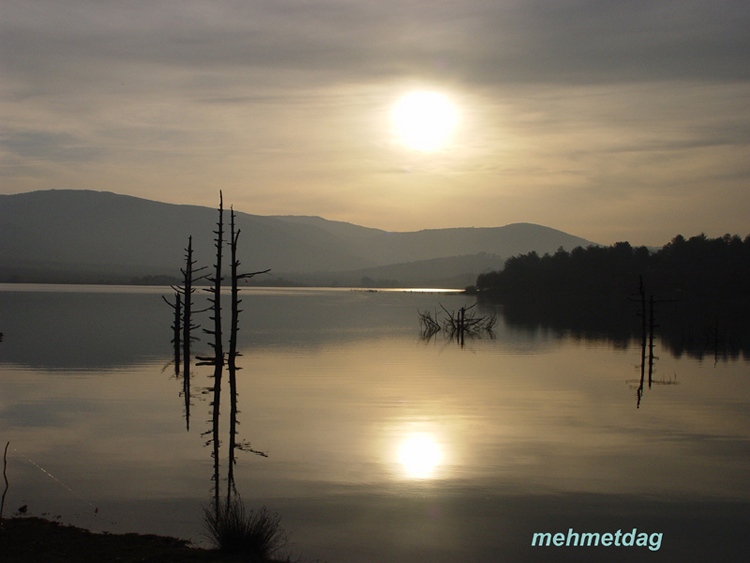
648,330
182,328
183,325
187,288
457,325
716,339
217,360
233,368
176,329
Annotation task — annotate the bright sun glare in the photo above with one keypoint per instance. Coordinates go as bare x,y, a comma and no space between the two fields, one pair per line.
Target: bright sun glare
424,120
419,455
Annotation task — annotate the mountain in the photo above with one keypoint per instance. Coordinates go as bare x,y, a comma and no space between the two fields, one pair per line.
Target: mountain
382,247
89,236
450,272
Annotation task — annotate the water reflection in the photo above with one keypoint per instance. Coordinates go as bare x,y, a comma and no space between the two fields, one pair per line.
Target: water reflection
110,327
648,333
717,330
420,455
457,325
336,384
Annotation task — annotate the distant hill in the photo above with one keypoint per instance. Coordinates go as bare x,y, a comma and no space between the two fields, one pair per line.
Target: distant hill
451,272
102,237
383,247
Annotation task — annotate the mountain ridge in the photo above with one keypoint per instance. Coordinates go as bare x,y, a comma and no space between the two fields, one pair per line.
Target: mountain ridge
120,236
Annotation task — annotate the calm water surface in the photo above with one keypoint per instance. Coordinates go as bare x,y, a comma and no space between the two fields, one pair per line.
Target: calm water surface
381,446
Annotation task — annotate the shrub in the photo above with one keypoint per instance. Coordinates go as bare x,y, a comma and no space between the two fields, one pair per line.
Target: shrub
253,535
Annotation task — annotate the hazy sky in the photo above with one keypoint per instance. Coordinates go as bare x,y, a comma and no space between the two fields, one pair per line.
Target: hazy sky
609,119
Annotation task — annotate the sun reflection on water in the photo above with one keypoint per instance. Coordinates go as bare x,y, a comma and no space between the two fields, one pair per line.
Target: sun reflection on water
420,455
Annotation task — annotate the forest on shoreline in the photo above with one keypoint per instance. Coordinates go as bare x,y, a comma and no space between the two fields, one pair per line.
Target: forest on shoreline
700,289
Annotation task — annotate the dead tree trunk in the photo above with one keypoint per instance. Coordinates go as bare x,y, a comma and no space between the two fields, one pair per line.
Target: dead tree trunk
183,324
651,328
642,314
177,331
233,353
648,331
188,277
217,360
218,357
5,491
176,328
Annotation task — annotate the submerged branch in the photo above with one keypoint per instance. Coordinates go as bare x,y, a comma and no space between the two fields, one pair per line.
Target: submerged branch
456,324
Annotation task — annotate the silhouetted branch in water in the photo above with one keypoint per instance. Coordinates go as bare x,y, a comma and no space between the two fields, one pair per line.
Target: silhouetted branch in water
644,335
428,324
457,324
715,338
215,289
176,328
5,477
208,361
185,293
234,353
183,324
670,381
648,331
218,358
460,324
188,280
252,274
245,447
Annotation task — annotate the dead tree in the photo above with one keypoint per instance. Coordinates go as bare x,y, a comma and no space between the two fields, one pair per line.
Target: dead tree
648,331
219,357
715,338
651,329
176,328
456,324
177,333
459,324
644,336
188,289
183,324
429,325
5,491
233,354
217,360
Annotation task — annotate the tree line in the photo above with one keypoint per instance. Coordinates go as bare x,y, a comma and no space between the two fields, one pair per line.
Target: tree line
698,269
699,289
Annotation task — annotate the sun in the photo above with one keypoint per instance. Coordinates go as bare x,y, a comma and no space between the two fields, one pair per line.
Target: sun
424,120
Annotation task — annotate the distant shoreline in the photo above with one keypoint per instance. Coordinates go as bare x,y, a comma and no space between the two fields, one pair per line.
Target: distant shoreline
103,287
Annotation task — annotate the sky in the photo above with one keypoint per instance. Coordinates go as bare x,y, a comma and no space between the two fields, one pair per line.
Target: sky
611,120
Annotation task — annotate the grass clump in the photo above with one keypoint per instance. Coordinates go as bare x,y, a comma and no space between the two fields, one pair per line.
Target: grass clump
249,535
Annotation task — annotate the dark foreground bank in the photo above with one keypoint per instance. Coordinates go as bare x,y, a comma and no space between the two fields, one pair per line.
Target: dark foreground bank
35,539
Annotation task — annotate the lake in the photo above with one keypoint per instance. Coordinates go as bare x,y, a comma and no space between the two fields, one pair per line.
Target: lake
382,446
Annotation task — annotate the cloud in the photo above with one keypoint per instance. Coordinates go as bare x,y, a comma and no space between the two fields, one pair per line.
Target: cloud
46,145
164,99
484,41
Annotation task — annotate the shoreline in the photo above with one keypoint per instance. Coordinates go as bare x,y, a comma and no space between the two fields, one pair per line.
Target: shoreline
30,538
